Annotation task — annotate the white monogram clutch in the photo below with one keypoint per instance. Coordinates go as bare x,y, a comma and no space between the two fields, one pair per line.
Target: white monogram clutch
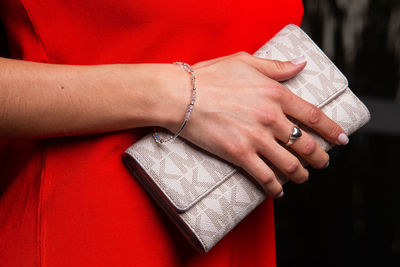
206,196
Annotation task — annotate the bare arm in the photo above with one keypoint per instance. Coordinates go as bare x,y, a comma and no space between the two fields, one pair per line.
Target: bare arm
240,113
39,99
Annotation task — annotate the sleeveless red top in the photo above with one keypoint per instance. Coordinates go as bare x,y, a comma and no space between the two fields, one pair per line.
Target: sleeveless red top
70,201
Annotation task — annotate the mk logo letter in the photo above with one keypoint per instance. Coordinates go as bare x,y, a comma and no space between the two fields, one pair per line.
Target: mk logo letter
297,48
220,220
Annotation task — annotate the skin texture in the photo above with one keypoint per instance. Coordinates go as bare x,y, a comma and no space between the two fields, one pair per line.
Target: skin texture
240,113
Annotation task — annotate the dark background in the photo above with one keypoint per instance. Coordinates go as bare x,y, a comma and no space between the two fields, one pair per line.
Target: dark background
348,214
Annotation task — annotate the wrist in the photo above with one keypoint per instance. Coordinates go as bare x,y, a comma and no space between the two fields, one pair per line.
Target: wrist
189,109
152,94
175,96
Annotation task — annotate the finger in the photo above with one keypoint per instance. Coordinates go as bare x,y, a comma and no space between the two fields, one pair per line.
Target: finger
263,174
282,159
275,69
306,147
313,117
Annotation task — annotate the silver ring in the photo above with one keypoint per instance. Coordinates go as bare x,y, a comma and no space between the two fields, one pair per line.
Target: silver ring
296,133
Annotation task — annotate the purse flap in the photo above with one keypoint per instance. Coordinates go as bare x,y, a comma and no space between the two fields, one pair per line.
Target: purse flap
320,81
183,174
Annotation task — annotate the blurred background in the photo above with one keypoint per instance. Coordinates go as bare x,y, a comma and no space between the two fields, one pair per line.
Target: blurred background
349,214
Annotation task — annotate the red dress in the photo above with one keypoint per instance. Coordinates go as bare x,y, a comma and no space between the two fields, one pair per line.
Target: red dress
70,201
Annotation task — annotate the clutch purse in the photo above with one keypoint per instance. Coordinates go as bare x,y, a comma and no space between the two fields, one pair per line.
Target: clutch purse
206,196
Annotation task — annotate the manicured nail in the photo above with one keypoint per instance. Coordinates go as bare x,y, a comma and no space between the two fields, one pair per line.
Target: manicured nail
298,60
280,195
343,139
326,166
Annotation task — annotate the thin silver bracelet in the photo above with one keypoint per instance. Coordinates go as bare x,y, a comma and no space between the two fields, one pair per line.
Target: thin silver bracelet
189,69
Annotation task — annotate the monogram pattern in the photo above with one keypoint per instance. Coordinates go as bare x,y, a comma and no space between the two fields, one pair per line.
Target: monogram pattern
320,81
184,173
209,195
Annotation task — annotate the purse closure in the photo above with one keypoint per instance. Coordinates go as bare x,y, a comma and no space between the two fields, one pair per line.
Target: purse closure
321,81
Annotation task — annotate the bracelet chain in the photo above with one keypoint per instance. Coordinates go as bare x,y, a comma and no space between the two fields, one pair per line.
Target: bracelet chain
189,110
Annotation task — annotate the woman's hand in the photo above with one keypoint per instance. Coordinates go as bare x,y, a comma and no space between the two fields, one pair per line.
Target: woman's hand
241,115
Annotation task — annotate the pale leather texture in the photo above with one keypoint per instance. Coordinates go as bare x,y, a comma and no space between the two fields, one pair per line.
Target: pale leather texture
205,195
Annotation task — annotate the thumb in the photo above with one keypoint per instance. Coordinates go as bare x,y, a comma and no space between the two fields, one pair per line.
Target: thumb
281,70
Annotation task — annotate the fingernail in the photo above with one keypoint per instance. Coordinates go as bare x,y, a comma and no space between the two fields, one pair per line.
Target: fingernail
326,166
343,139
298,60
280,195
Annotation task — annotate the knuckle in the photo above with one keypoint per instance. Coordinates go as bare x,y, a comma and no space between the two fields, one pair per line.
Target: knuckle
309,147
269,118
334,132
267,179
315,115
259,114
279,66
241,54
301,179
292,167
276,93
239,150
236,150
